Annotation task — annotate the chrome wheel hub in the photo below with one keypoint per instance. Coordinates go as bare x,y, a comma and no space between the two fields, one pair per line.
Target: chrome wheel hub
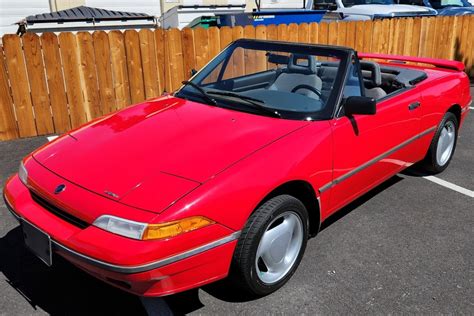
279,247
445,143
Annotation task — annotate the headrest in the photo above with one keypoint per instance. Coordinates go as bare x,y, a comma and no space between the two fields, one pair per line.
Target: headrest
304,64
278,59
374,68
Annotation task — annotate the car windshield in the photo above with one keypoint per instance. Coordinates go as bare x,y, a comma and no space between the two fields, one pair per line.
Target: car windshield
350,3
282,80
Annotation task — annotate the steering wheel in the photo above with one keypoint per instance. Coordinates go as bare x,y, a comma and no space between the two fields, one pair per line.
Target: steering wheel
307,87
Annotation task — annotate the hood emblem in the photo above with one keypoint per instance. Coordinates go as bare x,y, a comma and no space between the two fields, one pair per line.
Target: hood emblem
112,194
60,188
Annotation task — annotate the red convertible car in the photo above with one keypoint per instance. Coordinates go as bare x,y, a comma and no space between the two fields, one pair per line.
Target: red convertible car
231,174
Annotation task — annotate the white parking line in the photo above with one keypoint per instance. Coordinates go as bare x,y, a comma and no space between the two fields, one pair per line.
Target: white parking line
450,185
50,138
471,107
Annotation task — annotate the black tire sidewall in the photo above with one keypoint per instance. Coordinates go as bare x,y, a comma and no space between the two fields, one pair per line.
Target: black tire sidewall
432,161
287,203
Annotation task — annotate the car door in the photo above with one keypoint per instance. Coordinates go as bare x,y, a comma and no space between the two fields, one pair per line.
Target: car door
369,149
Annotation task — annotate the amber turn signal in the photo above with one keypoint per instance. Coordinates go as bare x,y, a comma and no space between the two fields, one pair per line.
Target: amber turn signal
171,229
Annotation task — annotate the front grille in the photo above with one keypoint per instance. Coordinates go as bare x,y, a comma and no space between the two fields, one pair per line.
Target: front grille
58,212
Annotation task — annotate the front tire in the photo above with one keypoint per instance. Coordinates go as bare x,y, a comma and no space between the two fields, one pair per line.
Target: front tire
271,246
442,146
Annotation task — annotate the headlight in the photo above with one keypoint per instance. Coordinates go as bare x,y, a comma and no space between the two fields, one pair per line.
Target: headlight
144,231
22,173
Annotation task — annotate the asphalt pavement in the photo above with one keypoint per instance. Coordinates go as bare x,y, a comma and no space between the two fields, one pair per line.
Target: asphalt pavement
405,247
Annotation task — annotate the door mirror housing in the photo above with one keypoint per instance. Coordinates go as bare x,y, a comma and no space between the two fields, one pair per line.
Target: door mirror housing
360,105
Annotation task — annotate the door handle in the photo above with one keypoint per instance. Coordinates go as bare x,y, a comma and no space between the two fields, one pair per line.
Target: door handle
414,105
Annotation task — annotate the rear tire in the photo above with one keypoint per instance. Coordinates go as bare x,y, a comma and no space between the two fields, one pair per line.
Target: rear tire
271,246
442,146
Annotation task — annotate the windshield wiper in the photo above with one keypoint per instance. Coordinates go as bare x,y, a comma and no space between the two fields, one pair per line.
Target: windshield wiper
255,103
201,90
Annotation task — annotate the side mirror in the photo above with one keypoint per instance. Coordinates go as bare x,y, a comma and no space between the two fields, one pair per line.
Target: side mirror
360,105
193,72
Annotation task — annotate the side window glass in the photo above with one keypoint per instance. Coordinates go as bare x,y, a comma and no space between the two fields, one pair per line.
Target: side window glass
352,86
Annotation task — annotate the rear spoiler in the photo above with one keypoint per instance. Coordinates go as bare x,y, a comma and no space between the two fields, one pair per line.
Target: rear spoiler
441,63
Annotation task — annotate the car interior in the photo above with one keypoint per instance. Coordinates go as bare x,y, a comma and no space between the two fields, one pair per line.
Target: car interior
303,83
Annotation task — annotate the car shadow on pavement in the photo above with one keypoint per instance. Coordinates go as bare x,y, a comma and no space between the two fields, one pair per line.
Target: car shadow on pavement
359,201
65,289
62,289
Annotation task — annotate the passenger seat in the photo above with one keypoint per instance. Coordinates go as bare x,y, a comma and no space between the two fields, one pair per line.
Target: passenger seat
376,79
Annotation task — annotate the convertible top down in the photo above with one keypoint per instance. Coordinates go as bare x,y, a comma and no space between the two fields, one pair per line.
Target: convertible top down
231,174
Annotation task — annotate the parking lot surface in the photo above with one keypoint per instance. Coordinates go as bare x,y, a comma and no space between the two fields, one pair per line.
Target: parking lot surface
405,247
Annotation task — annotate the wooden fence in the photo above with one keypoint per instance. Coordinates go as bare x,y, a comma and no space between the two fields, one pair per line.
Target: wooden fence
50,84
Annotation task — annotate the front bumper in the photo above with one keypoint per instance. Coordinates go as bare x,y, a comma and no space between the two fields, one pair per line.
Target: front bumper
158,276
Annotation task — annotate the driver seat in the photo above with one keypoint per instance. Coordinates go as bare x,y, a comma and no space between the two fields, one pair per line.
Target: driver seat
297,74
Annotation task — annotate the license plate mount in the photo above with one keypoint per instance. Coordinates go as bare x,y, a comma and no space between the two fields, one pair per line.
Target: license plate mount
38,242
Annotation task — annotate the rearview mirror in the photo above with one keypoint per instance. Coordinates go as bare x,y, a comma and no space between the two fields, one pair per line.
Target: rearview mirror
360,105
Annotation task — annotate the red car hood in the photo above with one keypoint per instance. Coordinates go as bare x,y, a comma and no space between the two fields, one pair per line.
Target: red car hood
165,147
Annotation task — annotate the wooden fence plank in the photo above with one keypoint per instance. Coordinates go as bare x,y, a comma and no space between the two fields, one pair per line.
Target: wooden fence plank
314,33
54,75
395,40
261,63
272,32
282,30
119,69
359,36
160,59
415,38
238,58
250,56
460,42
214,49
38,86
8,125
392,45
134,66
150,69
225,36
341,33
426,32
323,31
350,34
214,42
89,82
72,76
452,28
376,46
19,83
409,37
249,32
104,71
176,67
439,38
333,29
303,33
225,39
470,47
293,32
201,37
189,55
385,36
367,33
